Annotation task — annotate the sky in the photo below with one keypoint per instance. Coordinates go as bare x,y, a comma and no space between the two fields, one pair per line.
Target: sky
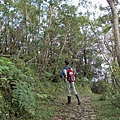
96,2
103,2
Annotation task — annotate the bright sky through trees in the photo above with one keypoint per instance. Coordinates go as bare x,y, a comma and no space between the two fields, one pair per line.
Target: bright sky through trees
95,2
103,2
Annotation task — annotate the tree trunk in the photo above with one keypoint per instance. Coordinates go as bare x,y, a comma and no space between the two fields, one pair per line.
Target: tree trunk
116,29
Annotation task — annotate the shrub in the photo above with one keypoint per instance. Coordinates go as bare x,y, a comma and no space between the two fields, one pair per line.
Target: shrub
100,87
17,95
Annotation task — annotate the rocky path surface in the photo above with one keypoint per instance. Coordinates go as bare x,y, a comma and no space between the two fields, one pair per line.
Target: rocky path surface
73,111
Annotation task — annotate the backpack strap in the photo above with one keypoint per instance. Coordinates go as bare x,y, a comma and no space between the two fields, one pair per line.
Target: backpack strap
67,67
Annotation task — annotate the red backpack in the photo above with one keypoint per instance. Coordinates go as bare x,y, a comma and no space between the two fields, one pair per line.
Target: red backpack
70,75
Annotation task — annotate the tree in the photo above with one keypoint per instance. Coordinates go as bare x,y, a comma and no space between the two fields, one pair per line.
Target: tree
116,28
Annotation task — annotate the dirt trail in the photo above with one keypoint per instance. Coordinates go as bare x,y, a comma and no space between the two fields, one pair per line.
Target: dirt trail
75,112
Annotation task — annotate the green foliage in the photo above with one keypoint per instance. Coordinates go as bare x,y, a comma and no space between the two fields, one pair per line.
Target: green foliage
116,74
104,109
16,93
107,105
44,27
19,101
49,94
23,97
83,85
46,76
107,27
113,96
43,112
100,87
5,65
116,101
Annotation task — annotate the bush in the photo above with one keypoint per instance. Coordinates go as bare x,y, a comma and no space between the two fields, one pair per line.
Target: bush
100,87
17,96
23,99
116,101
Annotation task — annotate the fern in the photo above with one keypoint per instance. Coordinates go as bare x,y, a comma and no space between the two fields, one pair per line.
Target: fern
18,97
23,97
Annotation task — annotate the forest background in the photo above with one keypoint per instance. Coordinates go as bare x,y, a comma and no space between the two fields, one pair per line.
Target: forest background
36,36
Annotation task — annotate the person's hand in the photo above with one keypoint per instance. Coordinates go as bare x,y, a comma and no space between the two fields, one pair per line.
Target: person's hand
65,80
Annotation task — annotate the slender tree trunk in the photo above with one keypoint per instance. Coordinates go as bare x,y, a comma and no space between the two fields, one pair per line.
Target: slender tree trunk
26,31
47,37
65,39
63,46
85,61
116,29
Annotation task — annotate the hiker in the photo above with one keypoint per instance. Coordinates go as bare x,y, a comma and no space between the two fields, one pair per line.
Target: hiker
69,84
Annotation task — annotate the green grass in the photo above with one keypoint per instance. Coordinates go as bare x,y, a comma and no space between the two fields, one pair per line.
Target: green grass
50,95
104,110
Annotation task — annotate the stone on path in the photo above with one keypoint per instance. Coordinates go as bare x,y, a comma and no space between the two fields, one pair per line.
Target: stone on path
76,112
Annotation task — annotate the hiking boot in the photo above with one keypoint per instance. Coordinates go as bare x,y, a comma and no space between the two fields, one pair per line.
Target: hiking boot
69,100
79,103
78,99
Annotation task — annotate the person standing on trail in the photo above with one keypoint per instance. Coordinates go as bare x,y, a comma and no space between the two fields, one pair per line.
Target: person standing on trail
69,83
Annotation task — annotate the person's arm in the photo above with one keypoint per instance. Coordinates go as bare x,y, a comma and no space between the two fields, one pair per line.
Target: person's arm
61,73
65,75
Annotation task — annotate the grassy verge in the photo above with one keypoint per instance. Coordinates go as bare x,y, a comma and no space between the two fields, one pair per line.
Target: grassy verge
49,95
104,110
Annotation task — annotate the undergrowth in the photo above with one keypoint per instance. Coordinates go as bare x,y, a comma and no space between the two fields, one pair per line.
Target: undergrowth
21,96
24,96
104,109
